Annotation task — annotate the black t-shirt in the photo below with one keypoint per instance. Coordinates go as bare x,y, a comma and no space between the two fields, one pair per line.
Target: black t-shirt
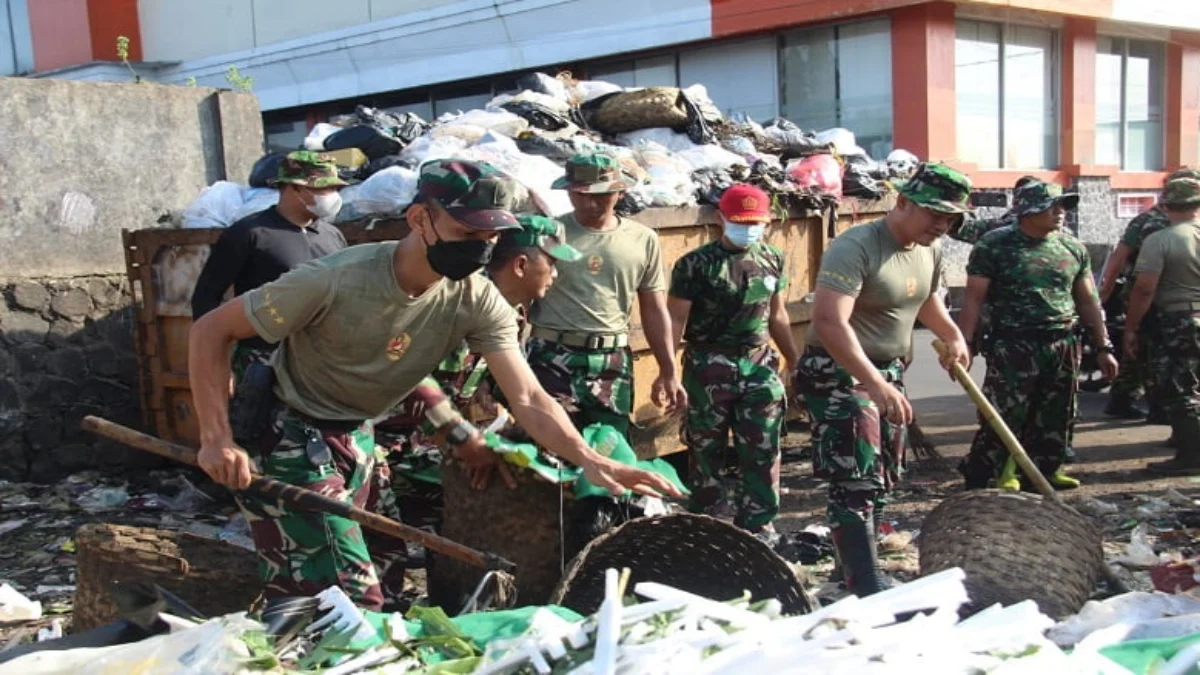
256,250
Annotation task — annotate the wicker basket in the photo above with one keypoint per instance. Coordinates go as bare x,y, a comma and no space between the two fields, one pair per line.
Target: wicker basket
521,525
1014,546
698,554
213,577
642,109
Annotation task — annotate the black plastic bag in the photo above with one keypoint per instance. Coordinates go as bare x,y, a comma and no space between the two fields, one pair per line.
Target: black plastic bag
858,181
266,169
792,141
406,128
376,165
710,185
556,150
543,84
373,141
701,117
631,204
540,116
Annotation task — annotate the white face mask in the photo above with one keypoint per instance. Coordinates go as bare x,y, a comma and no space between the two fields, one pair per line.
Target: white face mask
325,206
744,235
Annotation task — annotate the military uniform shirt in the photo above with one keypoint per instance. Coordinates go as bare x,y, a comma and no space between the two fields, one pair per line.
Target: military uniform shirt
1139,229
889,284
1032,280
353,344
730,292
972,229
1174,255
595,294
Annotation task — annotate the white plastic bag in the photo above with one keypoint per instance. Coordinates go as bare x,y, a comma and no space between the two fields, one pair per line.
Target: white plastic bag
842,139
711,157
428,147
255,200
16,607
1139,553
315,140
216,206
500,121
668,138
386,192
584,91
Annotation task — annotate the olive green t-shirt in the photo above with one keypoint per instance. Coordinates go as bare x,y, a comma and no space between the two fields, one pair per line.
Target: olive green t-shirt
1173,254
353,344
889,284
595,293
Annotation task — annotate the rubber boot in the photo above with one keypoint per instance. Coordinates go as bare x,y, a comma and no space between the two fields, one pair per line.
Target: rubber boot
1061,481
1008,479
855,544
1124,406
1187,450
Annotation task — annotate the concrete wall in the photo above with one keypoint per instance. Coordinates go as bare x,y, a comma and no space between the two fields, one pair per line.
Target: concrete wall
82,161
89,159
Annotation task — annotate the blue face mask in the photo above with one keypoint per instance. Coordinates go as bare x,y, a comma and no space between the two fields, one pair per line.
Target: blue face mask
744,236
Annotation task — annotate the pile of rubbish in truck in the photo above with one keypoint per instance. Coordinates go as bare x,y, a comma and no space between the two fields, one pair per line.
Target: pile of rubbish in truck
676,142
655,628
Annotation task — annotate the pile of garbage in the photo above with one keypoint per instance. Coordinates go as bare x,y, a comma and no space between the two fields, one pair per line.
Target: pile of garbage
915,627
675,142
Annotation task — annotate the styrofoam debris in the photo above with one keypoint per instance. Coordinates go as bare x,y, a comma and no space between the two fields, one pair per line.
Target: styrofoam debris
16,607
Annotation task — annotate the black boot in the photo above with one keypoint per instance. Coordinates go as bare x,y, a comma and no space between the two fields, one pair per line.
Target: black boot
1157,415
1187,449
855,544
1124,407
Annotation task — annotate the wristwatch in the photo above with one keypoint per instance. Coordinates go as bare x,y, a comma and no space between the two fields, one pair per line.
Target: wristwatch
459,433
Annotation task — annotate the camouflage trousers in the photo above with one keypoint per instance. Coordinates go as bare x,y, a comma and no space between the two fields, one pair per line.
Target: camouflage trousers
1176,363
854,448
1033,382
304,552
597,383
739,393
1135,378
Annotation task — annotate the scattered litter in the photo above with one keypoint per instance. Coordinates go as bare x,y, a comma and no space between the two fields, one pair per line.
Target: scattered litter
1095,507
51,632
1176,577
1175,498
53,590
1152,508
103,499
9,526
896,542
16,607
1139,553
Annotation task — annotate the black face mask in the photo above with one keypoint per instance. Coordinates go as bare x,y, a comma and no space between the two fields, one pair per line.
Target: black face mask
457,260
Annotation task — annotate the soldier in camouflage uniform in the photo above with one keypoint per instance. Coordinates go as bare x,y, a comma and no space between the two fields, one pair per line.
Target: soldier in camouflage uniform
523,267
729,294
876,280
579,344
971,229
1136,378
358,331
262,246
1168,273
1037,281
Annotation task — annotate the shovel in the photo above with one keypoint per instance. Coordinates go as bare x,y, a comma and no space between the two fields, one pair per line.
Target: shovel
497,568
1015,450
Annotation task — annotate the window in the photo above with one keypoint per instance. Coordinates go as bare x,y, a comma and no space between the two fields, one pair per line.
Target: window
1131,204
655,71
1129,103
841,76
461,99
285,135
1005,80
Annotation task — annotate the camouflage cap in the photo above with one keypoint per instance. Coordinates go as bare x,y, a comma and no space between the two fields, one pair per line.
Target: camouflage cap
1037,196
939,188
1182,172
474,193
310,169
595,173
1181,193
541,232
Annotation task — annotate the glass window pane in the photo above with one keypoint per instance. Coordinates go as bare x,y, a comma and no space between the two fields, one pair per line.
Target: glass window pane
864,57
1144,80
1109,53
620,74
287,135
810,78
841,76
1030,140
977,92
655,72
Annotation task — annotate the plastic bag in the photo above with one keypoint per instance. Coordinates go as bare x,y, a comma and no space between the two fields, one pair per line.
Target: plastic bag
556,149
389,191
374,142
818,172
467,133
1139,552
590,90
711,157
542,83
266,170
540,116
315,140
428,148
376,165
255,200
902,163
215,207
842,140
500,121
668,138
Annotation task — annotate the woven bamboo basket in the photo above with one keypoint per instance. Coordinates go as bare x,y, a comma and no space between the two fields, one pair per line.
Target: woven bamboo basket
1014,546
695,553
213,577
519,524
642,109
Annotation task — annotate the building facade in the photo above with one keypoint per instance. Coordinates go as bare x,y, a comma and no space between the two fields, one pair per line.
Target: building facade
1100,94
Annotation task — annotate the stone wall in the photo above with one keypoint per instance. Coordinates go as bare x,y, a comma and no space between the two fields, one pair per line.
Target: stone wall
66,351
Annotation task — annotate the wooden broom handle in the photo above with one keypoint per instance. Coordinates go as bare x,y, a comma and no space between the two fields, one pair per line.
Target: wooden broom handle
302,498
997,422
